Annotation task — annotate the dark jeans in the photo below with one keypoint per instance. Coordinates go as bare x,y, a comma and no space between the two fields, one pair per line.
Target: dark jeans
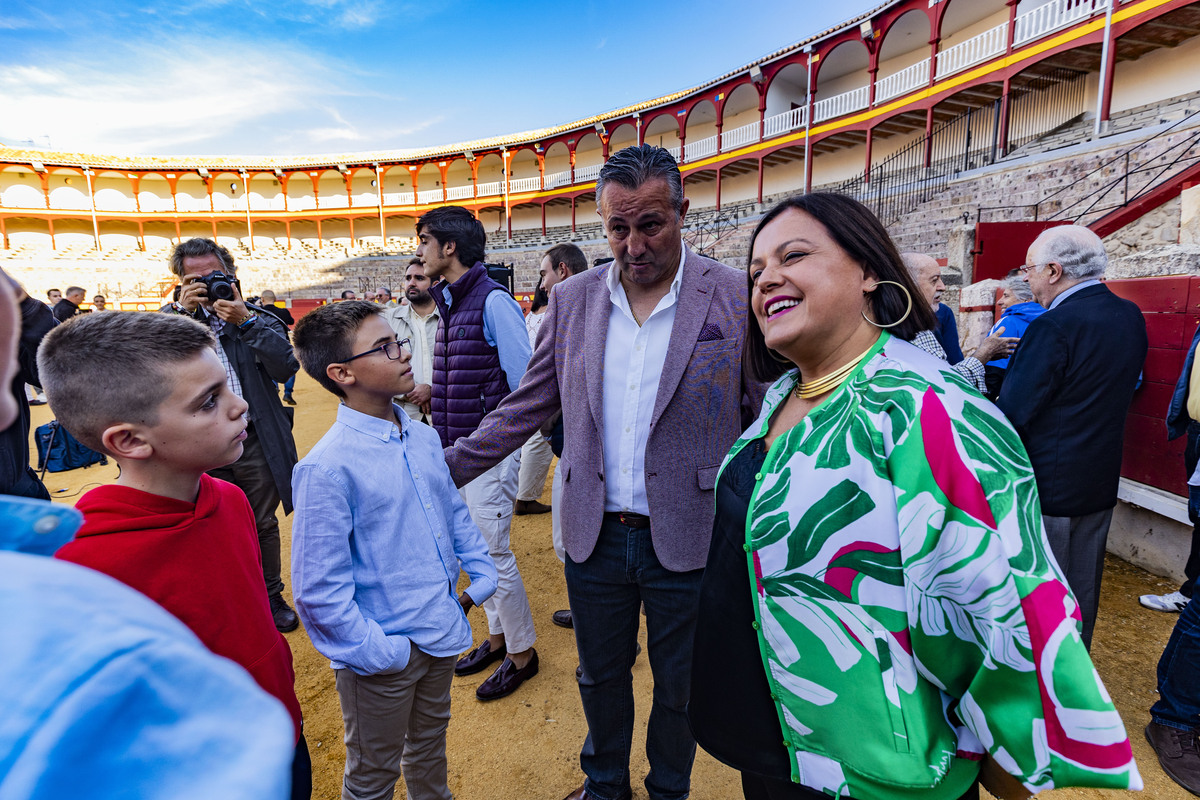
252,475
301,771
1191,570
1179,674
288,385
606,592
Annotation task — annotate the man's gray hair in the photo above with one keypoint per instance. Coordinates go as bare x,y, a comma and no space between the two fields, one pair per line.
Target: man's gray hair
1019,288
917,262
198,247
1078,250
634,166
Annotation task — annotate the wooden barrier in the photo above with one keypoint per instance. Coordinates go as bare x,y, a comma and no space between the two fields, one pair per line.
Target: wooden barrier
1171,307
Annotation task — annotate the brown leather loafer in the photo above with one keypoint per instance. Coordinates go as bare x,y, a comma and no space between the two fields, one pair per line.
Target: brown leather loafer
507,679
531,507
563,618
479,659
578,794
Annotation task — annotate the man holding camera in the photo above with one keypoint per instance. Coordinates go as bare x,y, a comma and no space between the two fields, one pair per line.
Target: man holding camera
256,354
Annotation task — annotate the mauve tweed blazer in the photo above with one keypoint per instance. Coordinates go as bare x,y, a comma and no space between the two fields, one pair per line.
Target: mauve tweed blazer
698,413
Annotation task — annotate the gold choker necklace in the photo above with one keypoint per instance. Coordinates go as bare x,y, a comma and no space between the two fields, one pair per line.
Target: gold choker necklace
806,391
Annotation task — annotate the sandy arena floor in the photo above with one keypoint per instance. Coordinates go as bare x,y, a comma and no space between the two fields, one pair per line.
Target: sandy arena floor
527,745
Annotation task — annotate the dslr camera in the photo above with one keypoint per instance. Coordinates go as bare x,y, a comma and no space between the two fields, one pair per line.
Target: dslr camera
218,285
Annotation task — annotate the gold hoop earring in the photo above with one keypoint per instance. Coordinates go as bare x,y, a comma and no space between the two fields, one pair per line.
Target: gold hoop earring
907,311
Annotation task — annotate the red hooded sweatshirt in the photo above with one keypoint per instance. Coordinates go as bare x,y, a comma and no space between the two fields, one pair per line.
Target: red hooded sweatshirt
201,562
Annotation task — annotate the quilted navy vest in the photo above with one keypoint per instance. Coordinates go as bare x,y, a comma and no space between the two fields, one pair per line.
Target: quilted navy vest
467,379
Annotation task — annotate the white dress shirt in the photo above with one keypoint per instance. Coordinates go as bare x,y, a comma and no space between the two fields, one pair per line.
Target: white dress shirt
633,363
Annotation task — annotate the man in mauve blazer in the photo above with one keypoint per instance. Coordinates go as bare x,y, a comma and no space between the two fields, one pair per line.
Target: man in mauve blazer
619,558
1067,391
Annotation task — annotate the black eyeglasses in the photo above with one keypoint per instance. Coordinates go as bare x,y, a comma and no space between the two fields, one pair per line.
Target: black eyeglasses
391,350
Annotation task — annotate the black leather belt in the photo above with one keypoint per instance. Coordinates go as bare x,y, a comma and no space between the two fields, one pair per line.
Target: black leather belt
628,519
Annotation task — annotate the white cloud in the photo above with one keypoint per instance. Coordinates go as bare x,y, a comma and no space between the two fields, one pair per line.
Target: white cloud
178,97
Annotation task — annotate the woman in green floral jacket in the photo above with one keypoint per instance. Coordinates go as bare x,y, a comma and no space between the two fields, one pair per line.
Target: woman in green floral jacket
880,611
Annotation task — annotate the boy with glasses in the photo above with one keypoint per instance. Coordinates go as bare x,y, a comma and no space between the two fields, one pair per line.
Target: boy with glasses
379,535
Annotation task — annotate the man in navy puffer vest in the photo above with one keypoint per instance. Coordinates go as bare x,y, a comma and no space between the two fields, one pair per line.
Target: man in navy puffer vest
479,356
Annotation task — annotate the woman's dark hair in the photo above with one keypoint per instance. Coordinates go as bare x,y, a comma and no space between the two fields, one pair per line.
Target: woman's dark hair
540,299
864,239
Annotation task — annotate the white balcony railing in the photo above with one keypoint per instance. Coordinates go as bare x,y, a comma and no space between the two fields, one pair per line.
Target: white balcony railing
694,151
459,192
674,151
836,106
490,189
556,179
738,137
429,196
785,122
974,50
584,174
1053,16
902,82
524,185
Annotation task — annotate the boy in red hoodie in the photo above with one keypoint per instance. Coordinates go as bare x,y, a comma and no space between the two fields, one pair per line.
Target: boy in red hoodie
150,391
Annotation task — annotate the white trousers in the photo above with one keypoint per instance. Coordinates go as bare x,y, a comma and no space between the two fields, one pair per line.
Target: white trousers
536,456
490,500
556,517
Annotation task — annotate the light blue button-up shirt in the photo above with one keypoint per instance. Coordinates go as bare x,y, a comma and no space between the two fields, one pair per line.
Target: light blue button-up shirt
379,533
1064,295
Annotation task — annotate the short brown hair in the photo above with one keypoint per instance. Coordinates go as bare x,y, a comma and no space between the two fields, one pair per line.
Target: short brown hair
569,254
100,370
325,335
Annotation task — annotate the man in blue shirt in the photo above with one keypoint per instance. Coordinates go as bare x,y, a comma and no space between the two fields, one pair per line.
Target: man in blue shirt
479,356
379,534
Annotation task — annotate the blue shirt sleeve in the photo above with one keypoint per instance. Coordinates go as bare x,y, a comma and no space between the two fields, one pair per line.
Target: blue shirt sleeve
504,329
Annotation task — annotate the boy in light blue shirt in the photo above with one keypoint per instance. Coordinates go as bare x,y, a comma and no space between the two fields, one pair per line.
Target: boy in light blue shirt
379,535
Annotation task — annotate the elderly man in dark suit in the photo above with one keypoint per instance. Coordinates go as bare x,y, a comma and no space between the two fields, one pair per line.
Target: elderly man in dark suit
1068,389
643,358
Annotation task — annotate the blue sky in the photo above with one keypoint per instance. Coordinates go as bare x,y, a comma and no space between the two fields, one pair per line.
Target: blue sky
225,77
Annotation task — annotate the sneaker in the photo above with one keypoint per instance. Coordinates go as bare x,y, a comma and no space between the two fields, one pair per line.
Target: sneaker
285,618
1178,753
1175,601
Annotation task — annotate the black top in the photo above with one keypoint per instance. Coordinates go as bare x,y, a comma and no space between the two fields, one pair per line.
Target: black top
731,711
16,476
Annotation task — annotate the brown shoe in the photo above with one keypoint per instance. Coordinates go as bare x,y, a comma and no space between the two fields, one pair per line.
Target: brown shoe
578,794
531,507
507,679
563,618
1178,753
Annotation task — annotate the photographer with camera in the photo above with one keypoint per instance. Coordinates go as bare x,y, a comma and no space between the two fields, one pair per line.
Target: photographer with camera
256,354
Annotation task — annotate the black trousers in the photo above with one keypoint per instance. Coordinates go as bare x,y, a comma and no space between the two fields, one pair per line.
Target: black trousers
252,475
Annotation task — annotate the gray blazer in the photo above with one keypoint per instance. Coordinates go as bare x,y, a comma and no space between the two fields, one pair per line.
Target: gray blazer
697,413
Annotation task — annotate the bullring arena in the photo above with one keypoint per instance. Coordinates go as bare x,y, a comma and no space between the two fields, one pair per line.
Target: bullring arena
968,126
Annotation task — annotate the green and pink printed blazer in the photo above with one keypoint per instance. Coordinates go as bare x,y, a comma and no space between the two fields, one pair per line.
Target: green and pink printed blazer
910,615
